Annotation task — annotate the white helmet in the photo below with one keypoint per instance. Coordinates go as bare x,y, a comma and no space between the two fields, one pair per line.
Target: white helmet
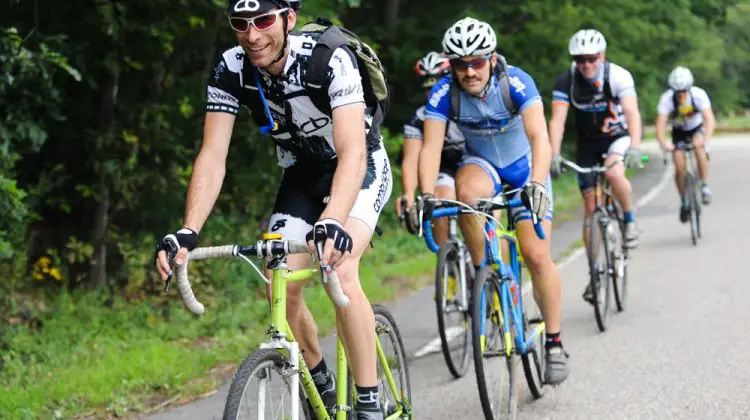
680,78
587,42
433,64
469,37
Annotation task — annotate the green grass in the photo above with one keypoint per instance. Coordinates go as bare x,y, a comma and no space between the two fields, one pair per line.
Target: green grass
738,121
88,360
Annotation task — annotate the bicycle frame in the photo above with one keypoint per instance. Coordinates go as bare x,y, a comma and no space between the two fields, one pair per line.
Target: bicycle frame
509,310
282,338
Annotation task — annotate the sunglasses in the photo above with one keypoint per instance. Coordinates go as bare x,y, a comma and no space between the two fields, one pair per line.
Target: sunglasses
477,63
260,23
580,59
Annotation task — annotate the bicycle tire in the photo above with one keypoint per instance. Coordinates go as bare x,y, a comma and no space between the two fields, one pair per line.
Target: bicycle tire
260,359
599,276
620,279
508,404
690,191
384,321
534,359
698,208
447,260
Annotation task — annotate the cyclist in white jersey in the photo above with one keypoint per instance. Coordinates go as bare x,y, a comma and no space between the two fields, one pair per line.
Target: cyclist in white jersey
336,174
689,108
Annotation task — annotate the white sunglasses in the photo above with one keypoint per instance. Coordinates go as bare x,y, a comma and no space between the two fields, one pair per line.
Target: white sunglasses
260,23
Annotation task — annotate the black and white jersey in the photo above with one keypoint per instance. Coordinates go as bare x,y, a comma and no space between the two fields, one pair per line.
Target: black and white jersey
596,103
453,146
305,133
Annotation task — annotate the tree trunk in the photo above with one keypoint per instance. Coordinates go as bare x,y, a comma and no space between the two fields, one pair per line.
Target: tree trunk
106,118
391,18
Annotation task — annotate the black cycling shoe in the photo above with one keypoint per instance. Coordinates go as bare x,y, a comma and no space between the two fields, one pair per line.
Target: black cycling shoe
588,294
684,214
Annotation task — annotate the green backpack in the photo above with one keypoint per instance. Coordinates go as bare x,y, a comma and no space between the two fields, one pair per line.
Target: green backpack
330,38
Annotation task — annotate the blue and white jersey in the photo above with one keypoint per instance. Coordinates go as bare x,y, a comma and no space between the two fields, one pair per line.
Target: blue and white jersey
491,131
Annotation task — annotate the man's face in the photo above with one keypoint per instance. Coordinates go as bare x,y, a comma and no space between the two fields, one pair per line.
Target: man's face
589,65
682,96
473,72
262,35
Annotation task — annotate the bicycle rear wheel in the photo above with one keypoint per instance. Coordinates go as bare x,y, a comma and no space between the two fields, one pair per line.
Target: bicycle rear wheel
619,254
599,268
271,397
452,303
496,369
391,400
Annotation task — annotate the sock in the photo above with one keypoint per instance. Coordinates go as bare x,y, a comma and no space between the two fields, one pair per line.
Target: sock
476,269
628,216
553,340
320,374
368,398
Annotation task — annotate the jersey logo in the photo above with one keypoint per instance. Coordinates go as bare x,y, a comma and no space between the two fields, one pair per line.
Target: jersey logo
437,96
314,124
247,6
518,85
278,225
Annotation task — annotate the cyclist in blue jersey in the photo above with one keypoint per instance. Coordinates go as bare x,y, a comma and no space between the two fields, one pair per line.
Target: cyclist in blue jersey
499,110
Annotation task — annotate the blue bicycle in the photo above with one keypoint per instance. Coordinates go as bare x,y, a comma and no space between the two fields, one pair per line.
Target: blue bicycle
502,329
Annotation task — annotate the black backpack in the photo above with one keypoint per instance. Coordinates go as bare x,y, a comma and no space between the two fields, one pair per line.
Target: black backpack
330,38
501,73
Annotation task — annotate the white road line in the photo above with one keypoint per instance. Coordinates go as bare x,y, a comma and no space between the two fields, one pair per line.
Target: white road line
434,345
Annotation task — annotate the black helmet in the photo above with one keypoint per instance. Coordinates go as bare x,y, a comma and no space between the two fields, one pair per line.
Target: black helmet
253,6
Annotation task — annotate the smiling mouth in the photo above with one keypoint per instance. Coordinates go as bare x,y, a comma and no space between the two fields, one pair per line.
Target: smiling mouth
258,49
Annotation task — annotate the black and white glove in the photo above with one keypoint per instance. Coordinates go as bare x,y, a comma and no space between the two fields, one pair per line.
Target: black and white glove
534,197
633,157
341,241
171,245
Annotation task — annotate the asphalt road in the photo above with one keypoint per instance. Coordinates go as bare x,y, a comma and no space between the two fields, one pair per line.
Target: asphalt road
677,352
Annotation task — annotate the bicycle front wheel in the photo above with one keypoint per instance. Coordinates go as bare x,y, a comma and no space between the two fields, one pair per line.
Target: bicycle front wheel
261,389
452,303
396,398
600,268
690,190
495,364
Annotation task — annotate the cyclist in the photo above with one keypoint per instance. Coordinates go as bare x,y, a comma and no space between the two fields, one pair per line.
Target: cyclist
432,66
336,174
690,109
502,146
607,120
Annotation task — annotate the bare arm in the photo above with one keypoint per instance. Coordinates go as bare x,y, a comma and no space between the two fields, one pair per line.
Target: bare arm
429,156
351,150
709,123
661,128
409,166
557,125
536,131
633,118
209,169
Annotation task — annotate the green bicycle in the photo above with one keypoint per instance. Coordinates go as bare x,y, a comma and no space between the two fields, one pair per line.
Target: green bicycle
273,380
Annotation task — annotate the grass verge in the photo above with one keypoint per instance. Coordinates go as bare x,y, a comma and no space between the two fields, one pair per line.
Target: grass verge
88,361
